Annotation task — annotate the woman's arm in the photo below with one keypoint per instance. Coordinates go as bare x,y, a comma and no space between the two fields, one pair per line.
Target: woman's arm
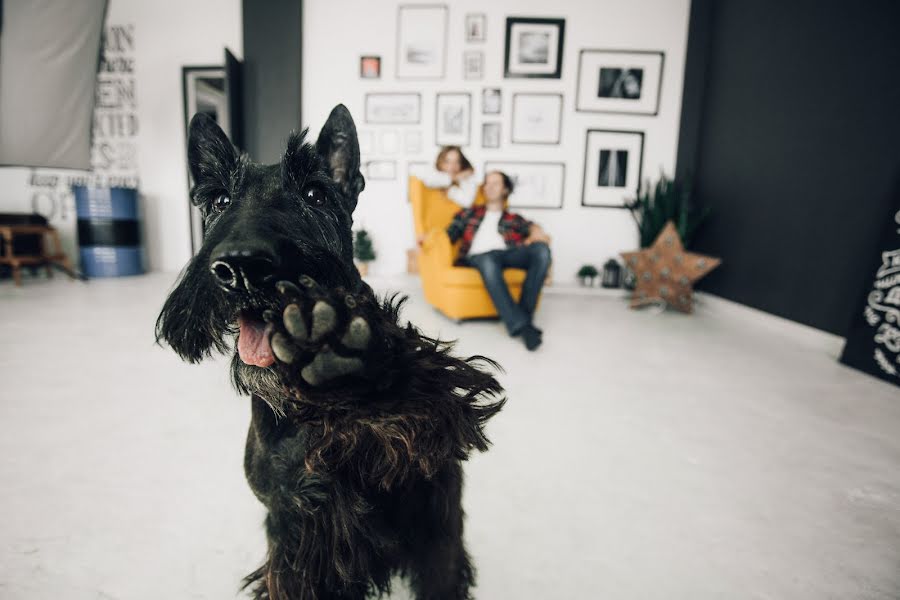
465,188
431,177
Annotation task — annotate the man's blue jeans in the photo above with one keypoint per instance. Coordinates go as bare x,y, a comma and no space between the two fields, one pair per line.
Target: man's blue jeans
535,259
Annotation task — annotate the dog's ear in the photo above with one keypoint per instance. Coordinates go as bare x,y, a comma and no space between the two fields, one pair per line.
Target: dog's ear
338,145
210,154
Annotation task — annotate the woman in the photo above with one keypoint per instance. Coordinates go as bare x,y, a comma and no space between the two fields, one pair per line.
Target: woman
453,171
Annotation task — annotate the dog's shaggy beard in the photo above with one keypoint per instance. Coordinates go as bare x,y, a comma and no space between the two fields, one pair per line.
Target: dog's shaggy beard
199,319
196,319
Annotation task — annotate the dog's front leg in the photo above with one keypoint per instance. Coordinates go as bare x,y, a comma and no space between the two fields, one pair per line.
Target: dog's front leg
302,561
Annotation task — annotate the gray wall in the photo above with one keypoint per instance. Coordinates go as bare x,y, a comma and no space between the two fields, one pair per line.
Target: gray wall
271,77
791,126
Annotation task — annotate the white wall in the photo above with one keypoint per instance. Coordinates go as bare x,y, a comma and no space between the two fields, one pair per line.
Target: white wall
167,35
337,32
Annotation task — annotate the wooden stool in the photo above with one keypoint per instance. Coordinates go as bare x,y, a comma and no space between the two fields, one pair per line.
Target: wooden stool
9,232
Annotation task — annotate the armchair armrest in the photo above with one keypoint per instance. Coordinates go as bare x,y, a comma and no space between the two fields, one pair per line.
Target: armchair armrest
417,201
437,248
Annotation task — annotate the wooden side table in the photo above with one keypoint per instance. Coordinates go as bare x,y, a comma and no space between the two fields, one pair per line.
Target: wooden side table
8,234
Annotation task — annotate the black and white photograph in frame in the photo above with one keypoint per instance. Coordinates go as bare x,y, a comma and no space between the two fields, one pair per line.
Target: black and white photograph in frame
381,170
412,142
453,119
619,81
421,41
393,108
490,135
535,184
536,118
473,64
491,101
475,26
612,167
534,47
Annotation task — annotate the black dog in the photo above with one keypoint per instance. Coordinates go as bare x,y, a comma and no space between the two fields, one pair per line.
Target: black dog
359,424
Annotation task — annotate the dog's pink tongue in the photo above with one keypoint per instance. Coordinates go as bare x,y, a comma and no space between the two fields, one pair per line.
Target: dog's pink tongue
253,342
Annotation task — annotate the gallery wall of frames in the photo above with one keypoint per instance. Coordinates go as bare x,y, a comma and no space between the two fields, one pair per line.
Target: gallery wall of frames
578,102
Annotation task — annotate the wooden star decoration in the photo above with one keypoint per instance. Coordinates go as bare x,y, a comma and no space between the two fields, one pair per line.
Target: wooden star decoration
664,272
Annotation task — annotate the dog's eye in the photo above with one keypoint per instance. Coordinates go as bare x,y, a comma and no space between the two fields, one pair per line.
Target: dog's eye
221,203
314,196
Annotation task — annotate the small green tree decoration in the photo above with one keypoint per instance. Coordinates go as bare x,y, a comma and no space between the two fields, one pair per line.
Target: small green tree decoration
667,200
362,247
587,272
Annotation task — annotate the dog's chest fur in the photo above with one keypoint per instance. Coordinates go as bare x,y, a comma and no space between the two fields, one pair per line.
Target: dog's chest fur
274,461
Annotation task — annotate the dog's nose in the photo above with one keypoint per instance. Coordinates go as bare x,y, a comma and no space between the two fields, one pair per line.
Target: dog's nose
242,268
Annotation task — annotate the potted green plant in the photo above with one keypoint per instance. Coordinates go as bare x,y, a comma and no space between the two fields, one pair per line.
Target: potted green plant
363,251
666,200
586,275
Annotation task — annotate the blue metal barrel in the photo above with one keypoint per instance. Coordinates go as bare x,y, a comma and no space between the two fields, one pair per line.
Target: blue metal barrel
109,233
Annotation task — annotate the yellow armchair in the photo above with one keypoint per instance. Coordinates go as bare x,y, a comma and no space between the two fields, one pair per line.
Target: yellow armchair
456,291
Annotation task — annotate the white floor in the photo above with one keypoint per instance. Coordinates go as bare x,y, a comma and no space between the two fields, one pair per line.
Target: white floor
641,455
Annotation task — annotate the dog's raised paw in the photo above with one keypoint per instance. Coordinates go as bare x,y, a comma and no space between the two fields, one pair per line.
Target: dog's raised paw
320,334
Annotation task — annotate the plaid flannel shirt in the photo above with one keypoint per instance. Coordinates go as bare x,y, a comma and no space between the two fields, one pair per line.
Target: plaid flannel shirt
514,228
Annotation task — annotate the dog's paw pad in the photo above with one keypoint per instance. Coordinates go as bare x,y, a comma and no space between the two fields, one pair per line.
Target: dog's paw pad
327,366
286,288
358,334
282,348
324,320
294,323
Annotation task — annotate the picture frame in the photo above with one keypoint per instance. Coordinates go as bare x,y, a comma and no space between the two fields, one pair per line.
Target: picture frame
370,67
390,108
389,142
490,134
473,64
538,185
537,118
620,81
381,170
366,142
534,47
491,101
412,142
476,23
453,119
421,41
613,166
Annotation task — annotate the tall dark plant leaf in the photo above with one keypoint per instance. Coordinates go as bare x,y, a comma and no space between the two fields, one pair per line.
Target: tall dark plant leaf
664,201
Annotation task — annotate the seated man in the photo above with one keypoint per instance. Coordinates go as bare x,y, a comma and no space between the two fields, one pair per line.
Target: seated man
494,239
